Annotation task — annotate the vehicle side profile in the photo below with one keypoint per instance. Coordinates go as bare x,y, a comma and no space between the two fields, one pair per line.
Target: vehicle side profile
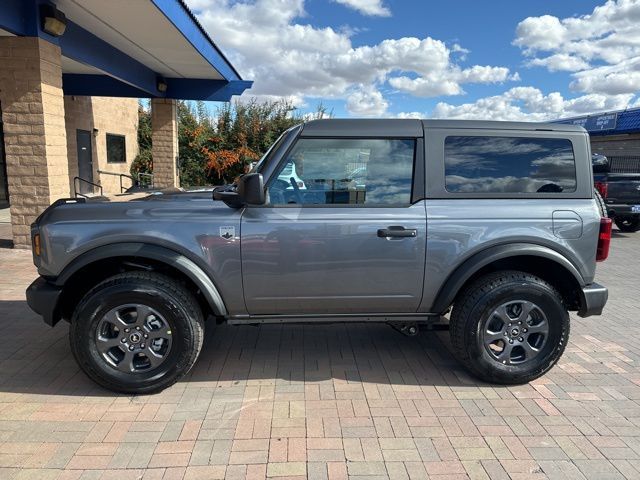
493,225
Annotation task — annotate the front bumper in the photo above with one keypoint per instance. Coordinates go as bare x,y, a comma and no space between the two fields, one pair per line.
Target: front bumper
594,298
42,298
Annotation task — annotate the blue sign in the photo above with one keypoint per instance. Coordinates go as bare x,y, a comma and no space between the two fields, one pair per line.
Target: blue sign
596,123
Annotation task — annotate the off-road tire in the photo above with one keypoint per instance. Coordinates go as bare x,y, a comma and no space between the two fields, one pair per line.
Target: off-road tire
473,309
628,224
165,295
601,204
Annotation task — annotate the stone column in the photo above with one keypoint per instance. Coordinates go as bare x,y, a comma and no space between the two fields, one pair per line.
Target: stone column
32,106
164,122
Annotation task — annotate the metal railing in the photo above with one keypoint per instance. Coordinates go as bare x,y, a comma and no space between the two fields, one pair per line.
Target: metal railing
135,182
145,180
78,181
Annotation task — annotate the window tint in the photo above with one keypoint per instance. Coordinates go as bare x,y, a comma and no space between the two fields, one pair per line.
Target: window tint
116,152
509,165
345,171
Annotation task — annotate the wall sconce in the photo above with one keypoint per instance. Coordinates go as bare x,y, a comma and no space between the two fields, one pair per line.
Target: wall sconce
95,132
54,22
161,84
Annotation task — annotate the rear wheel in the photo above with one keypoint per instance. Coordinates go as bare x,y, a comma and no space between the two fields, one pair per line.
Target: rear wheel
137,332
509,327
628,224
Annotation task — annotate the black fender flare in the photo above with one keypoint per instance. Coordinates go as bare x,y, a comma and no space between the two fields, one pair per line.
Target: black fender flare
152,252
470,266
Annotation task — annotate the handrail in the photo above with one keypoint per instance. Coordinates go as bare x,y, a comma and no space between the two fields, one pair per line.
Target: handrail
121,175
76,187
149,176
134,182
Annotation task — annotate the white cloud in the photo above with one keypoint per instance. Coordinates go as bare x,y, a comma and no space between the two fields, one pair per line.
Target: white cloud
367,101
267,42
603,47
530,104
448,81
367,7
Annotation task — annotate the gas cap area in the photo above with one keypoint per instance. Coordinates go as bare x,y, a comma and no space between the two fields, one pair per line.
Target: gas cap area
567,224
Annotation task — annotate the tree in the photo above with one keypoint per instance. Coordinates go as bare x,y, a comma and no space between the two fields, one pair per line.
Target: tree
215,149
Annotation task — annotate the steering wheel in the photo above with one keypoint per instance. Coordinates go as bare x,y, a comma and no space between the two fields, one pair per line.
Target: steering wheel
296,190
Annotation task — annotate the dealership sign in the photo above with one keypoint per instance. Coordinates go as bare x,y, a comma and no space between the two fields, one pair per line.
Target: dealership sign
595,123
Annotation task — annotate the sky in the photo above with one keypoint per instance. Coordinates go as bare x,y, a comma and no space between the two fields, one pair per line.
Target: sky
500,59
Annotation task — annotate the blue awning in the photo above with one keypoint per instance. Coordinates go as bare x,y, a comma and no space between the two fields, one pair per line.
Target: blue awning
146,48
608,123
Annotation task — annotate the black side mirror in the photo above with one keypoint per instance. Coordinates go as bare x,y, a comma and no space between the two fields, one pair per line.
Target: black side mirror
251,189
248,190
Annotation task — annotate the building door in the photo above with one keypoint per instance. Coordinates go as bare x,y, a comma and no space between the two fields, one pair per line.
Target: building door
4,188
85,160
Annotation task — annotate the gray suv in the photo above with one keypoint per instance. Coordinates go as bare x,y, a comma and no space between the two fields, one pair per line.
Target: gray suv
395,221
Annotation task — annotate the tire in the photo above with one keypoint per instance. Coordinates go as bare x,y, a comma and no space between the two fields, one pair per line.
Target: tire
602,206
628,224
477,318
113,320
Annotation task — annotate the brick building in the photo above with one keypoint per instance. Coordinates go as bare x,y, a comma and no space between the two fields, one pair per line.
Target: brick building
71,72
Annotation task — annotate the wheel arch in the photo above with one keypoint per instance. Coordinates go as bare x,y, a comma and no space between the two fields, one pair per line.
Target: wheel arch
100,262
540,260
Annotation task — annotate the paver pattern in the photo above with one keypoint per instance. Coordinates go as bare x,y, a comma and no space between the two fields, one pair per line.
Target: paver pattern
325,402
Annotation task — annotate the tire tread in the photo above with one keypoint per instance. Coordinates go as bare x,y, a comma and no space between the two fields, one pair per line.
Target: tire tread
469,297
165,284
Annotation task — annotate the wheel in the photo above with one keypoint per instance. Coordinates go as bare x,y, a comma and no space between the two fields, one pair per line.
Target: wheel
509,327
137,332
628,224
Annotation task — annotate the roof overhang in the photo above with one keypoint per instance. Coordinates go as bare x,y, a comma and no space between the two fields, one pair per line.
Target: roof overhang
131,48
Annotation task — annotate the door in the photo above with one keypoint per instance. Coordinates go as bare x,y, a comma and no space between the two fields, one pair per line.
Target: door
339,234
85,160
4,188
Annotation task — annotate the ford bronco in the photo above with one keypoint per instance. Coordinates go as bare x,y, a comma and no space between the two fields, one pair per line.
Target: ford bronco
493,226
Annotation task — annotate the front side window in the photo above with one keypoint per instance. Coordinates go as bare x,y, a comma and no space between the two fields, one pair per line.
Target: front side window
116,151
321,171
509,165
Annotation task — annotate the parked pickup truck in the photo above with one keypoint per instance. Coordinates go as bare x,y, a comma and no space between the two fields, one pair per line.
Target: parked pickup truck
399,221
620,192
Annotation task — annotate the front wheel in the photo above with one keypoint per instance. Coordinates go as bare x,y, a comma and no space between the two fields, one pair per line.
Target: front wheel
628,224
509,327
137,332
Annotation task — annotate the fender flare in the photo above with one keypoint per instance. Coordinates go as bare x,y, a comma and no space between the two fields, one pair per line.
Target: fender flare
470,266
152,252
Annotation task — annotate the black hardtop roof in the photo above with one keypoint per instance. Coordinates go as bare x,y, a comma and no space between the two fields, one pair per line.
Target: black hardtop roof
404,127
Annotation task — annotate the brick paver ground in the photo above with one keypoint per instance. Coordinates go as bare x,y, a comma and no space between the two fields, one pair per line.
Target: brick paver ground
325,402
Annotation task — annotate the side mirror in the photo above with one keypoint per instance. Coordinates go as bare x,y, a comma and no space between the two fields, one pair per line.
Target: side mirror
248,190
251,189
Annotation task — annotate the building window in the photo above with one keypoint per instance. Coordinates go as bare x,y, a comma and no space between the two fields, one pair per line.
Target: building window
116,151
509,165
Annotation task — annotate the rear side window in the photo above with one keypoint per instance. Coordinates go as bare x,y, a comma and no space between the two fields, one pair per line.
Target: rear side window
483,164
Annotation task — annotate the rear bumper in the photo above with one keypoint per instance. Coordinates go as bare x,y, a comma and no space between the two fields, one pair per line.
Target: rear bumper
620,210
42,298
594,298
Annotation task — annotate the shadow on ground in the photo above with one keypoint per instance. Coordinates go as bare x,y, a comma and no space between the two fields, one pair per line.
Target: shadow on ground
36,359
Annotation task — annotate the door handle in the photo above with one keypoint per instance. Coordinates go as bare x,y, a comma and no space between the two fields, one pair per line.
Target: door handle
397,232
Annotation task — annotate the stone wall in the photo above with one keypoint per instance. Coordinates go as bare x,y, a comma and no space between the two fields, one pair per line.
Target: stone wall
165,143
106,115
32,106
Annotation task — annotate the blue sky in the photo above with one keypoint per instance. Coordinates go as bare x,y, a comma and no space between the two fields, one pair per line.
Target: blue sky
524,59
